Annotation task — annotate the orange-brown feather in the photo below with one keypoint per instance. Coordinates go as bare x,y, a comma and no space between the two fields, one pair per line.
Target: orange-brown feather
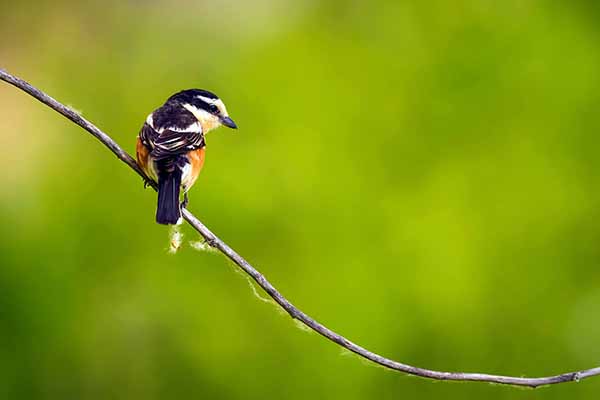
196,158
142,153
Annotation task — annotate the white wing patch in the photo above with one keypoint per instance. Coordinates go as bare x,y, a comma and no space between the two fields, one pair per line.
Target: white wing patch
193,128
150,121
196,127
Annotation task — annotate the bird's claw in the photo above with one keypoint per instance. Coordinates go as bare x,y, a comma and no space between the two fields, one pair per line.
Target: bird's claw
147,182
185,201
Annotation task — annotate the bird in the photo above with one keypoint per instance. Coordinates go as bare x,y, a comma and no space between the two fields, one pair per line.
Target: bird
171,146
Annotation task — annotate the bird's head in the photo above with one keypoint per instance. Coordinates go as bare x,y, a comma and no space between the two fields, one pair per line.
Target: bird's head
208,109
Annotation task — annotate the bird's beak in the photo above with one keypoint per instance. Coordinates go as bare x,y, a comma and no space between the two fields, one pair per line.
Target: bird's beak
228,122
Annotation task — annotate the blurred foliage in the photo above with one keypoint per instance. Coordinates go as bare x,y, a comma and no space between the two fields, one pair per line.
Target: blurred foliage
420,176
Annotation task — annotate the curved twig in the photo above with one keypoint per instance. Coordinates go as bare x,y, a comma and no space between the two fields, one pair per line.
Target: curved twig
260,279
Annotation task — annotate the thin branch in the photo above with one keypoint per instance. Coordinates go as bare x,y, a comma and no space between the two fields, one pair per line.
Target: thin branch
260,279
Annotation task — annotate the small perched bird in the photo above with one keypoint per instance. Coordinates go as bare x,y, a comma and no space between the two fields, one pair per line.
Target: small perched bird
171,146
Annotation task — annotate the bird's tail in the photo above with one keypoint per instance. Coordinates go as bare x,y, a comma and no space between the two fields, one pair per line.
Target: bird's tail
168,210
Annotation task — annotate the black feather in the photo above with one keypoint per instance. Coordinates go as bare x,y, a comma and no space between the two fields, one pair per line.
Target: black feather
172,114
187,95
167,209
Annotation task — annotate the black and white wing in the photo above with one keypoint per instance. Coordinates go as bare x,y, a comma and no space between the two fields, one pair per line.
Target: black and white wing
172,142
168,133
148,135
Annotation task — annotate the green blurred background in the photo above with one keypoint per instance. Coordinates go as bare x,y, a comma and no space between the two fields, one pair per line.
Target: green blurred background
421,177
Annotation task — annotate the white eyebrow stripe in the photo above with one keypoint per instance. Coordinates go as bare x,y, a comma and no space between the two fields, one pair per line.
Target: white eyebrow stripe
207,99
198,112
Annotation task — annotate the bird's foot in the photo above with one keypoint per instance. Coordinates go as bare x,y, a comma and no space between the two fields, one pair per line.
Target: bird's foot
148,182
185,201
211,241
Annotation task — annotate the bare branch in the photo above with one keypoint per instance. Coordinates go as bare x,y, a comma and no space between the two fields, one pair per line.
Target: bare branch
260,279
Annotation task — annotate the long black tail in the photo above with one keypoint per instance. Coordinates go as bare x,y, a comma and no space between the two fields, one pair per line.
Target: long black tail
167,210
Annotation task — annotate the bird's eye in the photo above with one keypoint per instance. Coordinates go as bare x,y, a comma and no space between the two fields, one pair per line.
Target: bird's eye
213,109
